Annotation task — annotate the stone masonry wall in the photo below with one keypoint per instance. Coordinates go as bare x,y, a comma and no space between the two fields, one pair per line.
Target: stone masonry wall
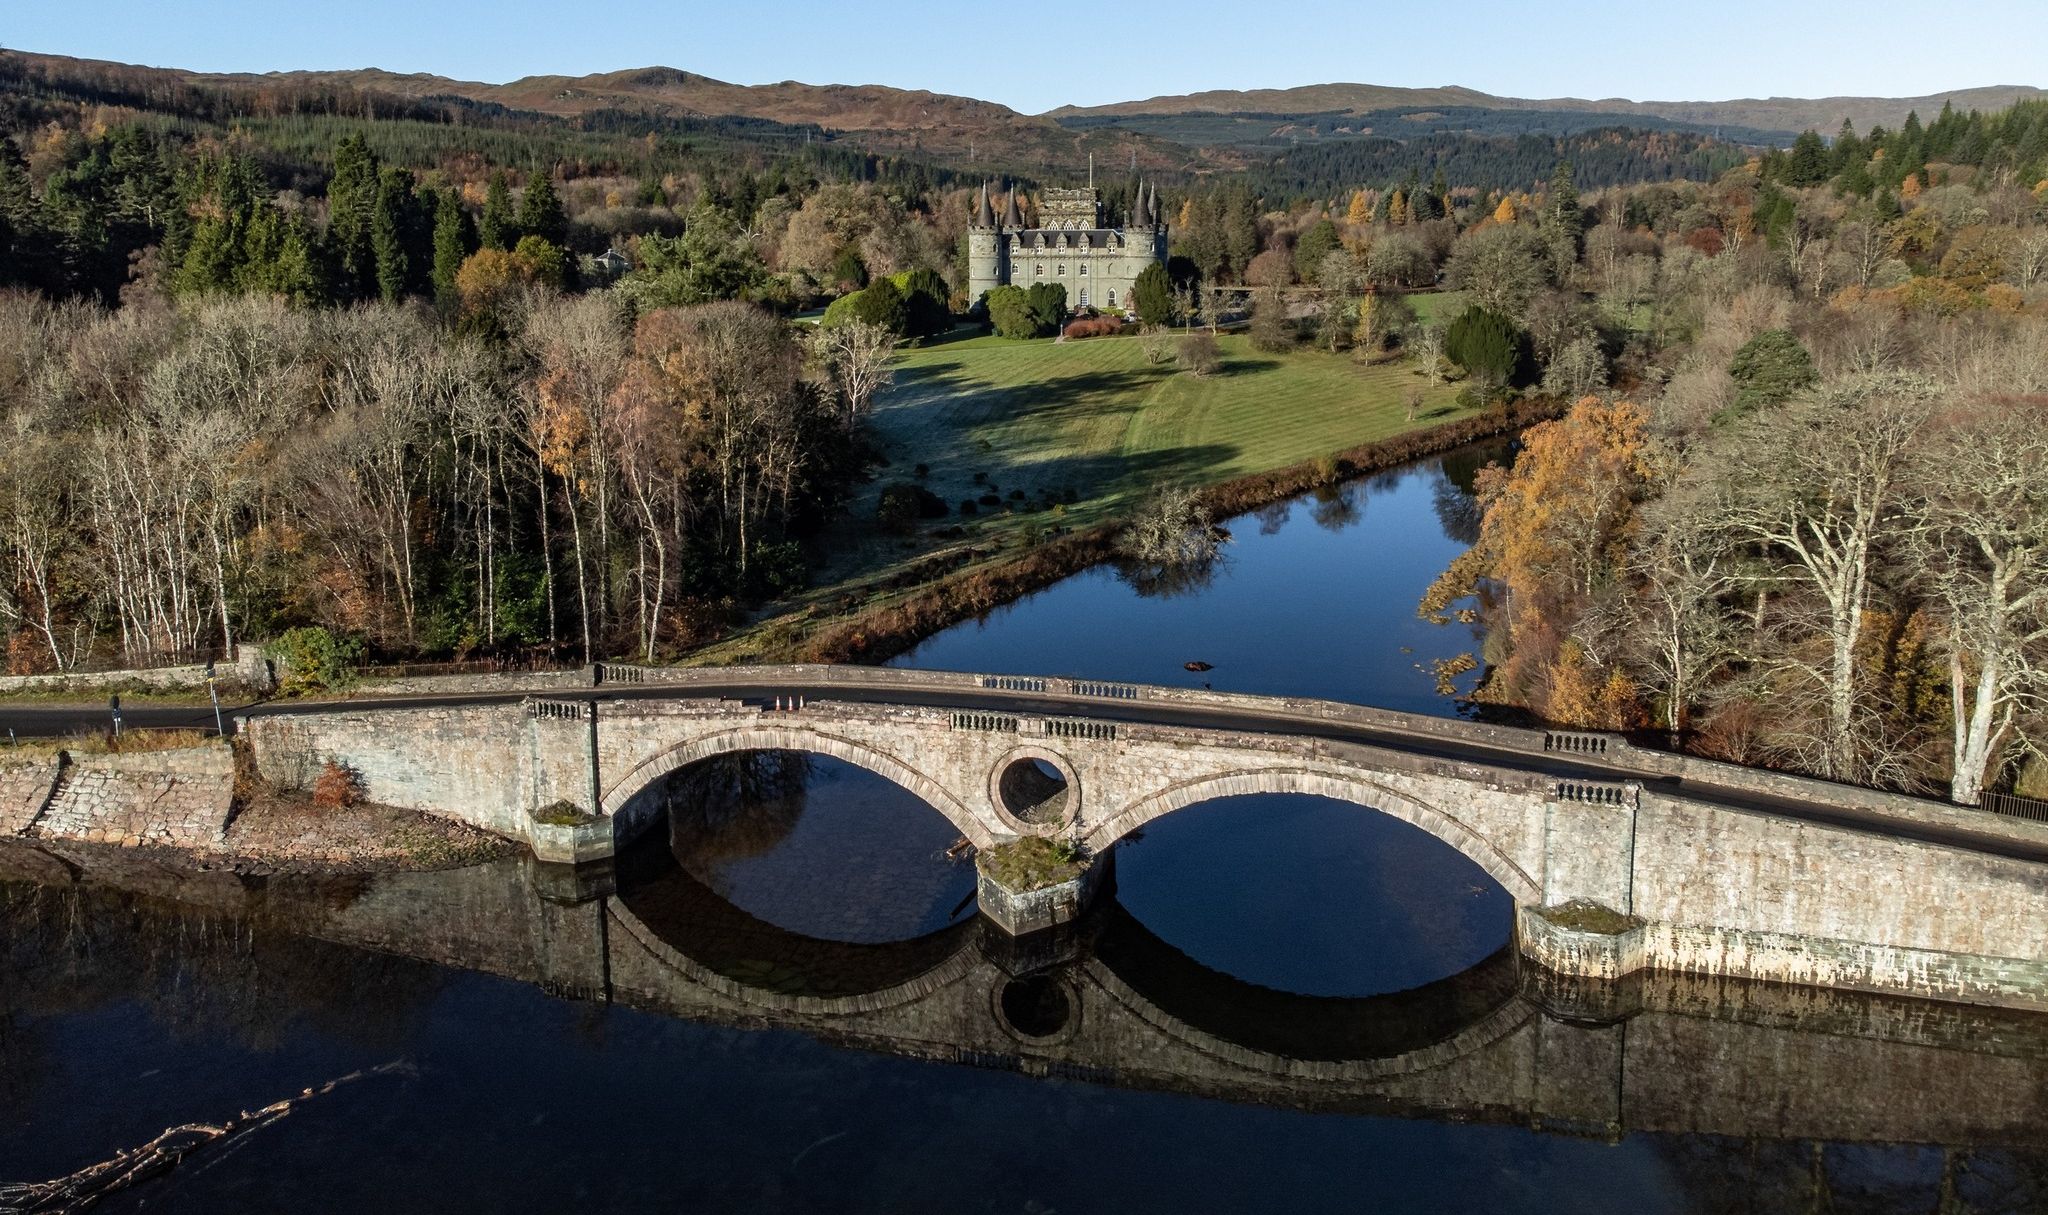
465,762
176,798
1769,898
24,788
1722,892
250,669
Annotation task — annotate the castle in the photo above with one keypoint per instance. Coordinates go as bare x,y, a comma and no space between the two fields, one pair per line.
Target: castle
1096,265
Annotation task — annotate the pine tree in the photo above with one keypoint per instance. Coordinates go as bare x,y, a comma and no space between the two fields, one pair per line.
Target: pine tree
351,211
1848,150
497,229
453,243
1808,163
1564,212
388,230
540,212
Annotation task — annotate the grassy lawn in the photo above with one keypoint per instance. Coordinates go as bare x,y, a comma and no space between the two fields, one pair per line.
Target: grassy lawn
1094,426
1094,418
1437,307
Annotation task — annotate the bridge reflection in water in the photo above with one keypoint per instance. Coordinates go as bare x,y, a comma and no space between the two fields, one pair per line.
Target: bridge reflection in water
1107,1002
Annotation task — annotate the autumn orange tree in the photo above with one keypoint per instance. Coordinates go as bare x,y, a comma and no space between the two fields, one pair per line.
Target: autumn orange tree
1555,529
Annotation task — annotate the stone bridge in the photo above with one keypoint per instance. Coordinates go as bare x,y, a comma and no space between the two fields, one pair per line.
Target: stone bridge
1618,858
1104,1001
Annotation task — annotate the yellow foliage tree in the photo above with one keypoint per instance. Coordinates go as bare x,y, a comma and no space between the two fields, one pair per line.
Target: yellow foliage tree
1360,212
1397,208
1552,527
1505,212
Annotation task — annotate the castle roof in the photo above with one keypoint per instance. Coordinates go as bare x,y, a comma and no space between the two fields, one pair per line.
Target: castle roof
1012,217
984,215
1066,238
1142,216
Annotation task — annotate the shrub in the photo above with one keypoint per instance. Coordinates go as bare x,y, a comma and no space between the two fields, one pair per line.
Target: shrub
338,786
1198,354
926,309
1099,326
881,304
1487,345
1152,295
1158,346
1769,369
1017,312
897,512
1033,862
315,660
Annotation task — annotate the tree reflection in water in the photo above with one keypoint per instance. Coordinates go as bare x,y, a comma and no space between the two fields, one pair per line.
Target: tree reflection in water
730,807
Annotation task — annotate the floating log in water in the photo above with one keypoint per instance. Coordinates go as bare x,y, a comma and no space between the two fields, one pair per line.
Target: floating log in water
1198,667
85,1188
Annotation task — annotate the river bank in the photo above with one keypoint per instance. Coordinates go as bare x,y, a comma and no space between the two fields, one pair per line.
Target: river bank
194,803
881,633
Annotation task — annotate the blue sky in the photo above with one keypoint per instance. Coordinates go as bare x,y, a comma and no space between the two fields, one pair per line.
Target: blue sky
1044,54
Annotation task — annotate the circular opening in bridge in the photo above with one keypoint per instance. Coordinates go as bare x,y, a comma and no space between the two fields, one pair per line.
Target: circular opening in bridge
1035,791
1036,1006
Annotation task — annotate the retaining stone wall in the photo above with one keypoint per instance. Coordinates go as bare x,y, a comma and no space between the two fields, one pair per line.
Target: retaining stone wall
24,788
250,669
457,685
176,798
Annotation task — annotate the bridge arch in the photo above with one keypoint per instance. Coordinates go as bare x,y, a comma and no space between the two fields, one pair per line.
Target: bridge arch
794,736
1358,790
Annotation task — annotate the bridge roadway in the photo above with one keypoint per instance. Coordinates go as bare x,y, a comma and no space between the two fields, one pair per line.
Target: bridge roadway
1972,830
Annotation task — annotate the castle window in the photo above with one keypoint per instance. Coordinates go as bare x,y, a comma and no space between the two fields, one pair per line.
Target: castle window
1084,297
1061,269
1084,269
1112,297
1041,269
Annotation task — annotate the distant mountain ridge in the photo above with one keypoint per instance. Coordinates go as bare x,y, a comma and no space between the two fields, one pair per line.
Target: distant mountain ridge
1218,130
1785,115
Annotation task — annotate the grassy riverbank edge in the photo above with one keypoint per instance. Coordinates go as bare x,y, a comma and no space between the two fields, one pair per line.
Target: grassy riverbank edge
877,634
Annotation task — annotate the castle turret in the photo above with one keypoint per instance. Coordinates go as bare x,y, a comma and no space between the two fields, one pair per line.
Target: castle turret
984,250
1013,218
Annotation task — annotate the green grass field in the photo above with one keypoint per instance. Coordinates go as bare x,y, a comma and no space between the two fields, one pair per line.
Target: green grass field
1090,425
1095,418
1437,307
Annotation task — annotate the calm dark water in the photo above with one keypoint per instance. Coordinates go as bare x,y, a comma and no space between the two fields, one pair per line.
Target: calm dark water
1285,1003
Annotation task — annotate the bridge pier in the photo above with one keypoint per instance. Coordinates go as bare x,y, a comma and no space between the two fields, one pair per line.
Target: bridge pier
1023,912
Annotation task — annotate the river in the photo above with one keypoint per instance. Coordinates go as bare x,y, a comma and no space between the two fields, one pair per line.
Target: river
1285,1003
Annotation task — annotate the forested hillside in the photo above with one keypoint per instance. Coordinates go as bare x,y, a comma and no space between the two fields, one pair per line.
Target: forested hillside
440,379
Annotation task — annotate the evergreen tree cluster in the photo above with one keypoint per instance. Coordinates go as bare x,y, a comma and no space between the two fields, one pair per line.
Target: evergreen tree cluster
2009,145
1605,157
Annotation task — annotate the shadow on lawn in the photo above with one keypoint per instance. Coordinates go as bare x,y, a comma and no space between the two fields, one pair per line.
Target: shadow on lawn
1094,474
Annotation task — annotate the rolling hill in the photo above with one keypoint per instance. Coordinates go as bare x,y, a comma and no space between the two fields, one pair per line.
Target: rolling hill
1779,118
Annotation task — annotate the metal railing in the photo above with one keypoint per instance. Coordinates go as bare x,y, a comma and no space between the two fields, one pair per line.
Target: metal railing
2014,806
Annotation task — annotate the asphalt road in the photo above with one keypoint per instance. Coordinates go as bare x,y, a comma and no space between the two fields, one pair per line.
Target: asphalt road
57,720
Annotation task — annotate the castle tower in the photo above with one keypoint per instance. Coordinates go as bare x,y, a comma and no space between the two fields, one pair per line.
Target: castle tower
984,250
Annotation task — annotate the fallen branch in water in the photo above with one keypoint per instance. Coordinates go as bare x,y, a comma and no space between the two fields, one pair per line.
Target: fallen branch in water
84,1189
